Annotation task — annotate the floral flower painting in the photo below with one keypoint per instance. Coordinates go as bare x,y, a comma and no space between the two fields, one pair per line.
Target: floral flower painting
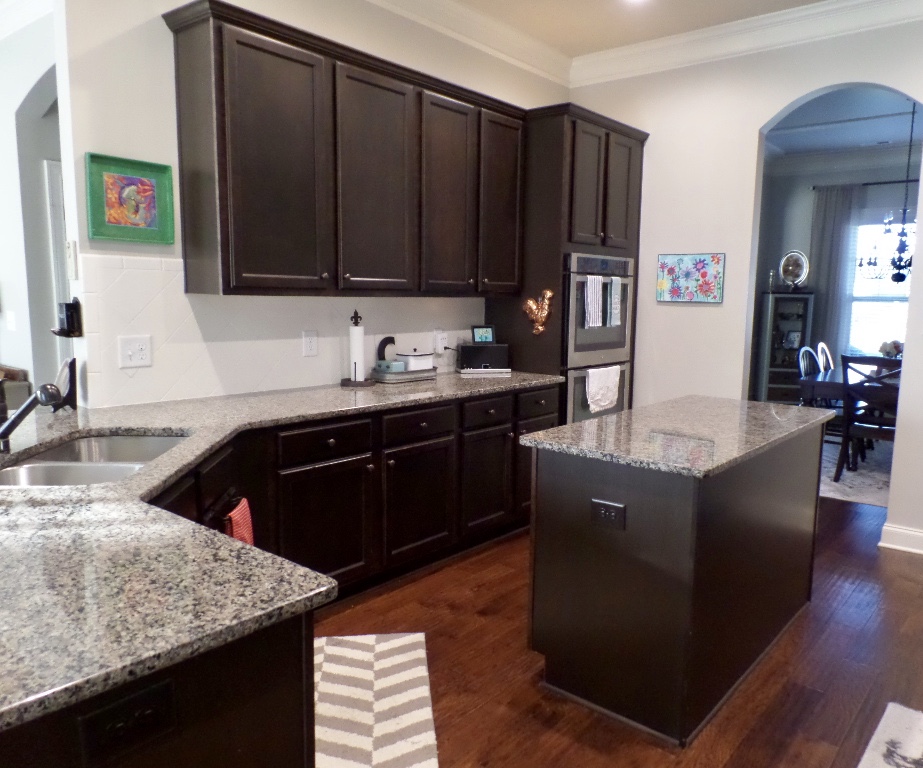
690,277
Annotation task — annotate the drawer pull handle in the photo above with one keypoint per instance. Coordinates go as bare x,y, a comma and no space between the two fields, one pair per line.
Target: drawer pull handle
491,411
423,425
370,467
324,275
541,402
391,462
331,442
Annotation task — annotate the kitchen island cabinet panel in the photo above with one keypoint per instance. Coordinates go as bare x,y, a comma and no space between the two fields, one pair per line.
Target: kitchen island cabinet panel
420,500
279,145
327,517
448,211
378,187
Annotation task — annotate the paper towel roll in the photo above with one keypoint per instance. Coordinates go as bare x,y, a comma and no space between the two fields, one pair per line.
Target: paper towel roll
356,356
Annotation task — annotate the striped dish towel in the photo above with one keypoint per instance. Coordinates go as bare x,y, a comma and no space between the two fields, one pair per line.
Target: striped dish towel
238,523
593,302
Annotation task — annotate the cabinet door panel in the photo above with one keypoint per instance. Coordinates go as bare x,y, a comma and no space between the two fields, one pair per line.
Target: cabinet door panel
486,479
587,177
623,192
377,180
524,464
419,499
279,143
449,215
500,204
327,517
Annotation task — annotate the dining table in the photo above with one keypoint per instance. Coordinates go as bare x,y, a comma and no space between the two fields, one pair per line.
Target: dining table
828,385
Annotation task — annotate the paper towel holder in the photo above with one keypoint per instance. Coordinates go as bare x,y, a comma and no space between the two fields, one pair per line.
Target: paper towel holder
355,319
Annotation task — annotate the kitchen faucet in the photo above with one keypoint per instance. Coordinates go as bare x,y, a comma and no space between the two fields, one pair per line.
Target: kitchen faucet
46,394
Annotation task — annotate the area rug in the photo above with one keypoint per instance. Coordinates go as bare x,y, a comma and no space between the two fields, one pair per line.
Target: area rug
898,740
372,702
867,485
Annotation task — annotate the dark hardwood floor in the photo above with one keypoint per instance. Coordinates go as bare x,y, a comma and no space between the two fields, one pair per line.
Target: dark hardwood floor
812,702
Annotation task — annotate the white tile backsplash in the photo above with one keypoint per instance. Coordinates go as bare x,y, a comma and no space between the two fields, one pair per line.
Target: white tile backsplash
215,345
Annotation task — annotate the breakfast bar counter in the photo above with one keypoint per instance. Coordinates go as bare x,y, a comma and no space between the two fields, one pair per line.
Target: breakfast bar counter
672,544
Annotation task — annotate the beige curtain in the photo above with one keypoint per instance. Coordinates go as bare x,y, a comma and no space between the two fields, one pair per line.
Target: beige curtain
833,265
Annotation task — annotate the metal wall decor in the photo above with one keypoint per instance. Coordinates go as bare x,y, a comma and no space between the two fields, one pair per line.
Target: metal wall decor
538,311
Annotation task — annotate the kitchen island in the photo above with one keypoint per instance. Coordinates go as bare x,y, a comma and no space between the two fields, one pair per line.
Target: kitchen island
190,646
673,543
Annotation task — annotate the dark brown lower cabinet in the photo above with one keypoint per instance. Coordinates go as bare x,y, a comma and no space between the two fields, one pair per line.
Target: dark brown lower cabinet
420,499
524,464
486,479
241,705
327,517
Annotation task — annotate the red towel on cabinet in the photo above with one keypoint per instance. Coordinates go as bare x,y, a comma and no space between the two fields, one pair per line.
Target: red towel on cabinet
238,523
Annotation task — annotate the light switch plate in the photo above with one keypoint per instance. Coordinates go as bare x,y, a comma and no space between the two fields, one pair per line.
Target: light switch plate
135,352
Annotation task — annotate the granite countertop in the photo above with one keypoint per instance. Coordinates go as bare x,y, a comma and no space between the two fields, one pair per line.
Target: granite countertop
98,587
695,436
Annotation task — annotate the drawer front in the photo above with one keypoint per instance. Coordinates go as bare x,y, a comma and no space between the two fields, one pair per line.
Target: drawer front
542,402
486,413
410,427
333,441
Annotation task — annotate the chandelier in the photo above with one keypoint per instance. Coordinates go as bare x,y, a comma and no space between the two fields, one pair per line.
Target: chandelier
902,260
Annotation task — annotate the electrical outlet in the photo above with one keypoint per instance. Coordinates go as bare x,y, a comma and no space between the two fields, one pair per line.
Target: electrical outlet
309,343
440,341
135,352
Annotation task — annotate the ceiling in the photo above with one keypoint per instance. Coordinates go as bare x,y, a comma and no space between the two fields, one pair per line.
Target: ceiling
579,27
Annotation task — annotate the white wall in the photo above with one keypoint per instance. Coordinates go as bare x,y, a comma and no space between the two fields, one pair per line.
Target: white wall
24,57
702,172
228,344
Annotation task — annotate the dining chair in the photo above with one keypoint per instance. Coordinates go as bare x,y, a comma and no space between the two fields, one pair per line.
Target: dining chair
869,406
825,357
808,363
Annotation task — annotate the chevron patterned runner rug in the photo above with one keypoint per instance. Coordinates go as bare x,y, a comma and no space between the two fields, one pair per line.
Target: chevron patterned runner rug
372,703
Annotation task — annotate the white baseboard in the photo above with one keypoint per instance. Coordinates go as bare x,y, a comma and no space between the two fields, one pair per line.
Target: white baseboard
904,539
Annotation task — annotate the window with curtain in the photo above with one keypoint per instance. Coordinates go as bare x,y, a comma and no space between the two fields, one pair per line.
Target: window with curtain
877,305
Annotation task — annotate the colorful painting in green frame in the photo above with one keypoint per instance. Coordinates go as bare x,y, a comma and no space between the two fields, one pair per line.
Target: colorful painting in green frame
129,200
690,278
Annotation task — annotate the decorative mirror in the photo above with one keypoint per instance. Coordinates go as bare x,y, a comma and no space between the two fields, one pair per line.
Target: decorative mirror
793,269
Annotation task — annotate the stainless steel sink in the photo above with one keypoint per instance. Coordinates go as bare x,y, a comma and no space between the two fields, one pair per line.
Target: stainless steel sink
66,473
134,449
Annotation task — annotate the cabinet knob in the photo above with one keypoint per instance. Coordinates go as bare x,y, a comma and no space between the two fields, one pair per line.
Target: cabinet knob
325,275
541,402
347,276
491,411
485,281
510,434
423,425
523,431
370,467
391,462
470,281
331,442
602,234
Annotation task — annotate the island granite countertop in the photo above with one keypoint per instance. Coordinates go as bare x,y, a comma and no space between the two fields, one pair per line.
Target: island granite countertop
98,587
695,436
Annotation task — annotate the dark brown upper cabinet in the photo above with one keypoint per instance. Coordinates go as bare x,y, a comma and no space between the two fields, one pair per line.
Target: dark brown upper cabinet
377,127
449,202
500,225
605,187
258,212
308,167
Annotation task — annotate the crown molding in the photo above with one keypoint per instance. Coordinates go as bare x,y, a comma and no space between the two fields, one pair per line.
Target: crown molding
818,21
486,34
17,14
